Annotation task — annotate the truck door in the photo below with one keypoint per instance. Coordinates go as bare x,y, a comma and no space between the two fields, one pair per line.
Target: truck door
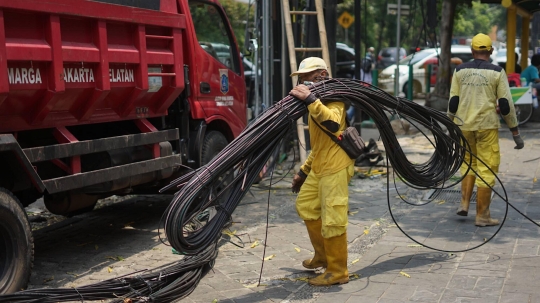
217,72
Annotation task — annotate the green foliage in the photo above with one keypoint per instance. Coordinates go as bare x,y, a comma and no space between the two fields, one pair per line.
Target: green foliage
237,15
478,19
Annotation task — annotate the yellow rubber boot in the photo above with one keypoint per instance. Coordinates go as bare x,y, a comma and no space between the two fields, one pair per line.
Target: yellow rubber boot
336,255
314,228
467,185
483,215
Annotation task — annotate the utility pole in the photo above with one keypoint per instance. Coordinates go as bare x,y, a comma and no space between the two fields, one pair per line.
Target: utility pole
398,42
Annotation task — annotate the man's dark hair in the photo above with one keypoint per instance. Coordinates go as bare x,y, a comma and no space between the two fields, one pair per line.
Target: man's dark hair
535,60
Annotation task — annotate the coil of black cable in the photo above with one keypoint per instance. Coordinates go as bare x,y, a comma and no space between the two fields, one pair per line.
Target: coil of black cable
246,155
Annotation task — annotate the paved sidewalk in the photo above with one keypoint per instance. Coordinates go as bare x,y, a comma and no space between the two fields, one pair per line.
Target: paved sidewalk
384,264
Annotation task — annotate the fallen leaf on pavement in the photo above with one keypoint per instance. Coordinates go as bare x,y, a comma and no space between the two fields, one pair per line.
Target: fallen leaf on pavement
255,244
354,261
269,257
110,269
297,249
230,233
404,274
415,245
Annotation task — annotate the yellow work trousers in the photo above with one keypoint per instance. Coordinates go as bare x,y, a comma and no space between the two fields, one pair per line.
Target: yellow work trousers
485,145
326,198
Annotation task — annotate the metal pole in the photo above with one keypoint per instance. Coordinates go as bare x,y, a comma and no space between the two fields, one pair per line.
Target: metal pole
257,96
396,78
357,39
266,54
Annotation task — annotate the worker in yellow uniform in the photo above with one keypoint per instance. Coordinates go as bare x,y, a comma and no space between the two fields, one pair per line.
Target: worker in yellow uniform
323,179
478,89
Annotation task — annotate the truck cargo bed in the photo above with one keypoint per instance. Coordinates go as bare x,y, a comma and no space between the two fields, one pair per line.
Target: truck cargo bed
80,62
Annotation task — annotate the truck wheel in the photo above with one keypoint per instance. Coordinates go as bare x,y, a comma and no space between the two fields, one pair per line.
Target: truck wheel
214,142
16,244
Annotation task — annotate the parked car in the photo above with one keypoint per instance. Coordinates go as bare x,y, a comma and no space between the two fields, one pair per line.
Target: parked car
345,61
417,61
387,57
501,57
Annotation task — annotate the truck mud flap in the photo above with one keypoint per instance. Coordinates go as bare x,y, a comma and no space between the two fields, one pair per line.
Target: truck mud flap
61,184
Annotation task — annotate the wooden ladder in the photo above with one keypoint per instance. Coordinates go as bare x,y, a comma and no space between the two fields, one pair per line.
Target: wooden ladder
287,15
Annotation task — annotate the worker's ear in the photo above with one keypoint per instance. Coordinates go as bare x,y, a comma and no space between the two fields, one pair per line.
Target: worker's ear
324,73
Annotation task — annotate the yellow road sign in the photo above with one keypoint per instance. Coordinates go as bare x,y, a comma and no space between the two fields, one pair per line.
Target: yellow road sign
345,20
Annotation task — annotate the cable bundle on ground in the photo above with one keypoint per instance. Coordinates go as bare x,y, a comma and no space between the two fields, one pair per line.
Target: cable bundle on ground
163,284
223,182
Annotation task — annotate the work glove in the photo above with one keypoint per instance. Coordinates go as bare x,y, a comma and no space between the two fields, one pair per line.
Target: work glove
519,142
298,181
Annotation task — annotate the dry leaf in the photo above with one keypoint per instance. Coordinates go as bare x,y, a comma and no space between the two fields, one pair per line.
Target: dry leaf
269,257
415,245
215,301
230,233
354,276
404,274
297,249
109,269
352,213
534,180
441,202
366,231
354,261
255,244
305,279
251,285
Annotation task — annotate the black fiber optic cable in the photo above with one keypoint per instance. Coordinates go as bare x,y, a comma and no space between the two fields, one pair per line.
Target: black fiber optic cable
245,156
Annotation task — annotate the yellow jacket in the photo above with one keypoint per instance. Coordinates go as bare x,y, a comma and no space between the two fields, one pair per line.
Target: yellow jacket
326,156
479,85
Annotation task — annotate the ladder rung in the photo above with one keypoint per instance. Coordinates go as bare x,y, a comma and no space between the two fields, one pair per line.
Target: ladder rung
161,74
308,49
159,37
304,13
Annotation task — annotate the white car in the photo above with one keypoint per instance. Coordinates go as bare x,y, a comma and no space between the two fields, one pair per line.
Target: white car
417,61
501,57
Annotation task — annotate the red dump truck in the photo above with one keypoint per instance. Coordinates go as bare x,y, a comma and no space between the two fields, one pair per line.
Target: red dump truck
107,97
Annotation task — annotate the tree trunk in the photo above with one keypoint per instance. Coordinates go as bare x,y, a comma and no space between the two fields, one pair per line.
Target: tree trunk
439,98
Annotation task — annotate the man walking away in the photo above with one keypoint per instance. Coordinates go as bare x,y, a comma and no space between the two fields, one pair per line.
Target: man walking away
478,88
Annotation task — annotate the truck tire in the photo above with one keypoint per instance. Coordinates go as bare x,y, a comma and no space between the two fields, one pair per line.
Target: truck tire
16,244
214,142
